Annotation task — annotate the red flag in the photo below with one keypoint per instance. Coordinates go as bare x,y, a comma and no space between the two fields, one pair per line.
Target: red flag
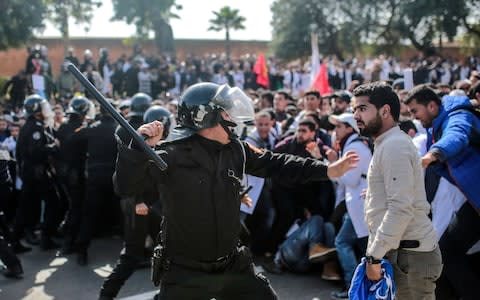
261,70
321,81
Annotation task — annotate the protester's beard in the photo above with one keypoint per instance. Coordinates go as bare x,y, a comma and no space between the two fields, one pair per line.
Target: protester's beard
372,128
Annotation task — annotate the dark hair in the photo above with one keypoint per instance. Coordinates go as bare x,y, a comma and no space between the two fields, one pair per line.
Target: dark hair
268,96
405,126
379,94
474,90
271,112
284,94
313,93
309,123
423,94
314,116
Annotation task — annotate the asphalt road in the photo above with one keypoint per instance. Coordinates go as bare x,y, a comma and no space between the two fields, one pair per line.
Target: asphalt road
48,277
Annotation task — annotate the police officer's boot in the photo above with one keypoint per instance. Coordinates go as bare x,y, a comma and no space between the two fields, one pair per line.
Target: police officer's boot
13,267
67,247
46,243
19,248
15,271
82,257
31,237
123,270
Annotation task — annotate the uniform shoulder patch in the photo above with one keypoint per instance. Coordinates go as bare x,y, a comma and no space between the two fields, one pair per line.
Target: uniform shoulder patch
254,149
36,135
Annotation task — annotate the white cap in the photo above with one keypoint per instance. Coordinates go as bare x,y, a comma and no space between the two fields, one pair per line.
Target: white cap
344,118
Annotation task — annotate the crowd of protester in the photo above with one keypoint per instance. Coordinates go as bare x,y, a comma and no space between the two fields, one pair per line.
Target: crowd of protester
291,228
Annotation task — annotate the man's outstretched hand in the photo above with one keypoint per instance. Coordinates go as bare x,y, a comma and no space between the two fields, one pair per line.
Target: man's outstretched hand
348,162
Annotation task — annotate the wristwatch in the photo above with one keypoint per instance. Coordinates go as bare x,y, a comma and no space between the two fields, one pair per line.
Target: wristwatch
372,260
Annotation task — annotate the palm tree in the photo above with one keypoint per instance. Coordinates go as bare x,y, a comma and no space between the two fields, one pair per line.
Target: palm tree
227,19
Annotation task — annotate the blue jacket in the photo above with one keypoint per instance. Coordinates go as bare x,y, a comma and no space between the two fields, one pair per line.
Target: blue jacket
450,138
362,288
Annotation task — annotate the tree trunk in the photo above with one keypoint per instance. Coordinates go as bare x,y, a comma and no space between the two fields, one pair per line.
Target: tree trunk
227,44
164,37
65,30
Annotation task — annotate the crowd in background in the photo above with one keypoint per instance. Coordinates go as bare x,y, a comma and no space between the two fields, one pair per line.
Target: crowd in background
290,118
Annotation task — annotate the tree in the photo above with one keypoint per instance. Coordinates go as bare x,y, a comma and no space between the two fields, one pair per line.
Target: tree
345,26
226,19
148,16
19,20
60,11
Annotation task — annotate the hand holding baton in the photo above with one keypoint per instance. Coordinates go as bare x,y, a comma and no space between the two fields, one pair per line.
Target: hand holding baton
159,162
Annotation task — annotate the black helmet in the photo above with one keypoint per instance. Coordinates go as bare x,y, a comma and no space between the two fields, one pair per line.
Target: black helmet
34,104
158,113
201,105
140,102
80,106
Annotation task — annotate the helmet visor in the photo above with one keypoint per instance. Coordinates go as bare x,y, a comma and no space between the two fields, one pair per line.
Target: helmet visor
234,102
92,111
46,109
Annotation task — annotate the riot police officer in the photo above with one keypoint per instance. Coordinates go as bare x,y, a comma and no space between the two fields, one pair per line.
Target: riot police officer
35,146
99,138
201,192
142,217
139,103
72,157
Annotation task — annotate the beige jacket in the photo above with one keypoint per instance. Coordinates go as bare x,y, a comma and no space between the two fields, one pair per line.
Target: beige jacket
395,206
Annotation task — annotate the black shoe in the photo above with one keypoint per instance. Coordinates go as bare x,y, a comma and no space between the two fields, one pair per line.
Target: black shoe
15,271
82,258
48,244
146,263
105,298
66,249
19,248
31,238
271,267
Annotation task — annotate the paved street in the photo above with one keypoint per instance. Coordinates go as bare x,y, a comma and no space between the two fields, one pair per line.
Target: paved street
48,277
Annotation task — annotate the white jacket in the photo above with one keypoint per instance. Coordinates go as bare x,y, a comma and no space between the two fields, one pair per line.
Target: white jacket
354,182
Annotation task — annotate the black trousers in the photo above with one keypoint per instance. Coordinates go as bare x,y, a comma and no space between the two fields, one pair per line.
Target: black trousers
100,195
133,252
459,278
28,212
7,256
237,282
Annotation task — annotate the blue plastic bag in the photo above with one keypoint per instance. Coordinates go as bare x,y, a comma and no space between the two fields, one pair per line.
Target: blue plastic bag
362,288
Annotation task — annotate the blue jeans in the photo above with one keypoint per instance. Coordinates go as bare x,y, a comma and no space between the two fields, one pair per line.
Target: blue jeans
345,242
293,252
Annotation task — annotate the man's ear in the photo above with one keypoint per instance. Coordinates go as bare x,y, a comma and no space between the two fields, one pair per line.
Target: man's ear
432,106
385,111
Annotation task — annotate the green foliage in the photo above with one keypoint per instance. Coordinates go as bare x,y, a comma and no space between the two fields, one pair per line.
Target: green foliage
19,19
226,19
344,26
81,11
148,16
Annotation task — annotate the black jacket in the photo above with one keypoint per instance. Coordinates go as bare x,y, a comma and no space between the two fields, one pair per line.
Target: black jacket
200,189
72,154
34,149
99,141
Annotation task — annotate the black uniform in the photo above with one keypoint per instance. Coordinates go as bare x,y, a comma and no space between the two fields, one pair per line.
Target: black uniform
200,199
102,151
71,172
136,228
34,151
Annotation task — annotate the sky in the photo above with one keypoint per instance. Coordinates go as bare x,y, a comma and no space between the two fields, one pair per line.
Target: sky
193,22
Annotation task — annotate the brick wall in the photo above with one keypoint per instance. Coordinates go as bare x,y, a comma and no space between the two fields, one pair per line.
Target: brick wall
13,60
